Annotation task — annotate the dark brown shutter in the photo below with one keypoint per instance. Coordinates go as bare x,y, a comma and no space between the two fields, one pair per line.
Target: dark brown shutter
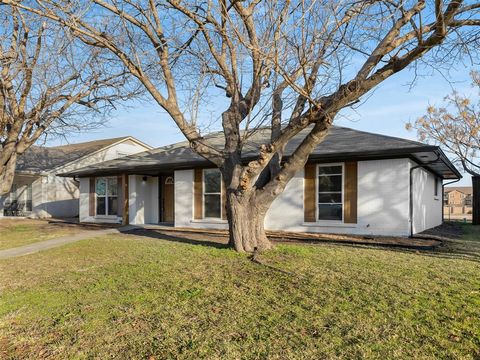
350,197
197,193
309,193
91,198
119,196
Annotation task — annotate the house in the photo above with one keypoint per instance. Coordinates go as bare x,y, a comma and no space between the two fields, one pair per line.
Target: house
457,201
354,182
37,192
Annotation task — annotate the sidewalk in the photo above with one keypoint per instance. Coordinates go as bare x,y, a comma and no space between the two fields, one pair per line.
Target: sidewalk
52,243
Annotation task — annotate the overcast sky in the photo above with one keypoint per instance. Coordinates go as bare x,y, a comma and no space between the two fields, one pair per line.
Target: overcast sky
386,111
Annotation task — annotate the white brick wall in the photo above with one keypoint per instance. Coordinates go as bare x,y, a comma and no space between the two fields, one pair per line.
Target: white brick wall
383,205
383,202
427,208
143,200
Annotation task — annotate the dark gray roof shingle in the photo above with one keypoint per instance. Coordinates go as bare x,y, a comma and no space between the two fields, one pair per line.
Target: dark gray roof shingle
341,142
40,159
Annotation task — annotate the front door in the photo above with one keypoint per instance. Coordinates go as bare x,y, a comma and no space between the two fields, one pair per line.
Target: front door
167,201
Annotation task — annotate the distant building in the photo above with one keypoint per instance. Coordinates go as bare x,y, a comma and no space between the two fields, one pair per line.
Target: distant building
457,201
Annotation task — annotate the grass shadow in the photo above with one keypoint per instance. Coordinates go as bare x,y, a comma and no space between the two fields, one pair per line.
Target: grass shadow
456,248
211,240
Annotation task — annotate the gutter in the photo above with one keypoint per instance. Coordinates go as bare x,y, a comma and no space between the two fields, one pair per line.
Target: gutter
423,166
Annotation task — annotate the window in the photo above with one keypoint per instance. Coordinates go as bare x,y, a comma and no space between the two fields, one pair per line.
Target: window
468,200
212,193
12,196
28,204
107,196
330,192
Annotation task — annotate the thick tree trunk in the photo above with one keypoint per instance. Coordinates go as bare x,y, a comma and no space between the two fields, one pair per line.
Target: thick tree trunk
246,223
476,200
7,174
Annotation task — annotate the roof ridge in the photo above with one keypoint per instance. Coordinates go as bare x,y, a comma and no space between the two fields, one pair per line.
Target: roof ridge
114,139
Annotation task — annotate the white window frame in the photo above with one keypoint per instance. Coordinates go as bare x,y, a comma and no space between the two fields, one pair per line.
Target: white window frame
317,175
106,196
204,193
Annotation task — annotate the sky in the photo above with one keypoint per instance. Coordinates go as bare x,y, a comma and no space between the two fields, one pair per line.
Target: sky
385,111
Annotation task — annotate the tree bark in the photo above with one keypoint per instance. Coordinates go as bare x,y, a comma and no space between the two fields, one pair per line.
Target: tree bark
246,223
476,200
7,174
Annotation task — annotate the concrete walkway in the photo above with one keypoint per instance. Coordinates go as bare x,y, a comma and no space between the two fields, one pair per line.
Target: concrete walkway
52,243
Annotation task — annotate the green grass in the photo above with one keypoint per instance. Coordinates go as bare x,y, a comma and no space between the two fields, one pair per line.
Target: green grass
132,297
470,232
22,232
466,245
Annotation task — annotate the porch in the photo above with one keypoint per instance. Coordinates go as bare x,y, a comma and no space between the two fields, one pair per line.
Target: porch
19,201
128,199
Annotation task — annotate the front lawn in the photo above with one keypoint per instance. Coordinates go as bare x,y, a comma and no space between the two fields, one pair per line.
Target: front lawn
465,242
20,232
126,296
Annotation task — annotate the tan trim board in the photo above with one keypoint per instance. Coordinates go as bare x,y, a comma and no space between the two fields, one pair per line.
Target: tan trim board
351,193
91,197
197,193
309,195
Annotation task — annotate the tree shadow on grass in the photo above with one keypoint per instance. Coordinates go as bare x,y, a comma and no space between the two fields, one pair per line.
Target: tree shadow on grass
444,251
218,241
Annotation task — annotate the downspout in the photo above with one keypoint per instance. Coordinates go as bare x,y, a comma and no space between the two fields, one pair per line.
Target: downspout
443,196
411,190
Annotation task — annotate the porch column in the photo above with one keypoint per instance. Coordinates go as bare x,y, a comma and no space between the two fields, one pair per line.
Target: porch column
125,218
2,201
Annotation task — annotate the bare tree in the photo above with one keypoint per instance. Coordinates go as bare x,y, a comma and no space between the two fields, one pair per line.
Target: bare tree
456,127
291,66
50,83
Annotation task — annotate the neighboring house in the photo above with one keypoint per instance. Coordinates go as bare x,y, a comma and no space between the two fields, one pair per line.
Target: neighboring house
354,182
38,192
458,200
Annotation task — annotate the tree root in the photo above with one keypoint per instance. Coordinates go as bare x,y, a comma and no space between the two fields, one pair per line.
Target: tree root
255,259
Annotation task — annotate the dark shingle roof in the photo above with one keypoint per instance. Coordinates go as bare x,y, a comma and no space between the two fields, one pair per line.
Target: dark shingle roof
39,159
341,143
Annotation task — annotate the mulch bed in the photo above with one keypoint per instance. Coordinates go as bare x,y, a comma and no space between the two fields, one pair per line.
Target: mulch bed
220,238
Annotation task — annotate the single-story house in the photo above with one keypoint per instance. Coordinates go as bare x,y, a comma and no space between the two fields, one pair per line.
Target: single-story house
38,192
354,182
